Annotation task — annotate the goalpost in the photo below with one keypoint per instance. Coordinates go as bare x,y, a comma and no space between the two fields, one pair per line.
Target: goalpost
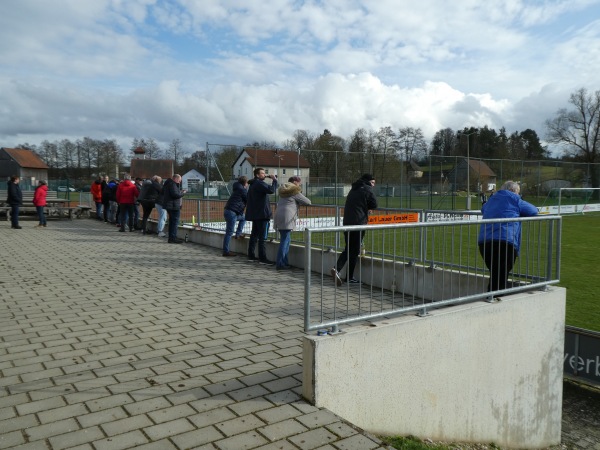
582,204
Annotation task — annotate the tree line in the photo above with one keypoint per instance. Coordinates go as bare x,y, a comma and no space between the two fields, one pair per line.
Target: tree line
575,131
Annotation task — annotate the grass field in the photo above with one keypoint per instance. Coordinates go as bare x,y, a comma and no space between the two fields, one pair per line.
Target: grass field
580,269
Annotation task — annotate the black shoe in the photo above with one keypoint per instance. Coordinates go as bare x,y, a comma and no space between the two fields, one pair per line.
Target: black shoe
266,262
18,227
229,254
175,241
284,267
252,259
353,281
122,230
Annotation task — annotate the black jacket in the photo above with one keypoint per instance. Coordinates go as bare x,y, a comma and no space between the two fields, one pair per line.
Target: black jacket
237,200
257,206
171,195
14,194
359,201
150,192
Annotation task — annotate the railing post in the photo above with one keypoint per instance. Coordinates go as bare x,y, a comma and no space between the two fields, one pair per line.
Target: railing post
307,275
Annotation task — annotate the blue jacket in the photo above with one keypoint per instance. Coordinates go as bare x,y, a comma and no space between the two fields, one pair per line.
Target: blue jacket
258,206
505,204
14,194
171,195
237,200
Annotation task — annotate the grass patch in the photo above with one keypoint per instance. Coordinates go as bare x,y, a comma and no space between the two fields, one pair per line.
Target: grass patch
413,443
580,269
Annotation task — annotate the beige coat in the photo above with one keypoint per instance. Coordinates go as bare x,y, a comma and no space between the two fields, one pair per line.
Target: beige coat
286,214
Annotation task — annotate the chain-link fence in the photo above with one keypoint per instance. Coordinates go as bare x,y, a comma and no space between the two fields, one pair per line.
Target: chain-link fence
437,182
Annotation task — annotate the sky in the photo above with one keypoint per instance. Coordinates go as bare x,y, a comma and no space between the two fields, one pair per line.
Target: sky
241,71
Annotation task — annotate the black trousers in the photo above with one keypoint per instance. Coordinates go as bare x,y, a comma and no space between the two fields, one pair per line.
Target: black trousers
259,234
351,251
499,257
147,207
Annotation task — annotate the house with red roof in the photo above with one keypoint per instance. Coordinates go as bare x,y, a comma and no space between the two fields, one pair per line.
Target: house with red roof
283,163
24,163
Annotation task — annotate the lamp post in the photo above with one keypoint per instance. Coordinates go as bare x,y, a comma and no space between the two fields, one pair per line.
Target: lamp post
468,170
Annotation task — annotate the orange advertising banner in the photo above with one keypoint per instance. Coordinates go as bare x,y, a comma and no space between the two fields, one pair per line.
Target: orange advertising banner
394,218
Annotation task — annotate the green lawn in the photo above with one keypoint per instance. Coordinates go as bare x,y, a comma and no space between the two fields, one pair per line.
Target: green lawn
580,269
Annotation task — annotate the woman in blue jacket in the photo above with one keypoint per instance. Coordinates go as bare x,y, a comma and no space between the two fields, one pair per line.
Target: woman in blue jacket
499,243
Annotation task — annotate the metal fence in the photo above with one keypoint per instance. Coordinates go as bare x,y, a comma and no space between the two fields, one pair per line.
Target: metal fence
415,267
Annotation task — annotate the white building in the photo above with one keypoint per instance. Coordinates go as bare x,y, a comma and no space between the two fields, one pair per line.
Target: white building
282,163
193,181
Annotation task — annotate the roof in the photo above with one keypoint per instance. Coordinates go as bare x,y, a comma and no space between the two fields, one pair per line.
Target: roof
481,168
25,158
273,158
147,168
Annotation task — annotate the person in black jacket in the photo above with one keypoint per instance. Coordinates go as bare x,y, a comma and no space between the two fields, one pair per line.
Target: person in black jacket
234,213
172,198
15,201
151,189
359,202
258,210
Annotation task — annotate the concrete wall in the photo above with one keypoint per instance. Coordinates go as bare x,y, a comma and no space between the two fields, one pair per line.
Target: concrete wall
482,372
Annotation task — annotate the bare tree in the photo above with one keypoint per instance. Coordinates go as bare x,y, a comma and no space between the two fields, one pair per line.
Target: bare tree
578,130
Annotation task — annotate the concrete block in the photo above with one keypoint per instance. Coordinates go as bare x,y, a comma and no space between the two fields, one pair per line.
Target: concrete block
481,372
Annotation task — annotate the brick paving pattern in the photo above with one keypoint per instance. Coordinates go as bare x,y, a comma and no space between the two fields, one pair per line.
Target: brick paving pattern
117,340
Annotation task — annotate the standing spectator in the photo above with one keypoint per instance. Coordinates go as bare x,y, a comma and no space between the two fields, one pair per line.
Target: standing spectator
96,191
234,213
126,197
151,189
286,214
258,210
136,210
15,201
359,202
39,201
105,200
499,243
172,198
160,209
109,195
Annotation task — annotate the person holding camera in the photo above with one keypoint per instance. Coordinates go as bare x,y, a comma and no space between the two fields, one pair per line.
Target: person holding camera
258,211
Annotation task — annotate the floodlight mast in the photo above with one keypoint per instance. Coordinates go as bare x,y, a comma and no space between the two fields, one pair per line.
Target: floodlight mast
468,203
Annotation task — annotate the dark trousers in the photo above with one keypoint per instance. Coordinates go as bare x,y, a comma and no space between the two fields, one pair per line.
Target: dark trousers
351,251
173,223
126,215
259,234
499,257
105,209
14,215
147,208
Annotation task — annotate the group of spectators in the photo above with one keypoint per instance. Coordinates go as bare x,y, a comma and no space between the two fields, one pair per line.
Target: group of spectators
118,201
250,201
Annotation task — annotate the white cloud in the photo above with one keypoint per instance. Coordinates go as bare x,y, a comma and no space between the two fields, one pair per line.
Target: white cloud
258,70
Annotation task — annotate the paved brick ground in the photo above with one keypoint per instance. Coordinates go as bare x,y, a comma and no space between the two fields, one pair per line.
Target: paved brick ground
114,340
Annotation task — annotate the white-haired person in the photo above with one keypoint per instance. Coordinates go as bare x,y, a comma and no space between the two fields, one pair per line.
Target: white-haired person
499,243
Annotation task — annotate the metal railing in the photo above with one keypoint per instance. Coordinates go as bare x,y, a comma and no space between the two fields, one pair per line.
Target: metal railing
416,267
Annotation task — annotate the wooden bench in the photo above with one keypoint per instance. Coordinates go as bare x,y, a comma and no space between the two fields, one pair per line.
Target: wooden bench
56,207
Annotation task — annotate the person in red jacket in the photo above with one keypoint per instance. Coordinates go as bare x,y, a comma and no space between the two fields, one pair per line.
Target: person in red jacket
96,191
39,201
127,194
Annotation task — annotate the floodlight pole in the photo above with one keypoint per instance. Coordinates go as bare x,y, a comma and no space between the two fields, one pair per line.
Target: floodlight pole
468,203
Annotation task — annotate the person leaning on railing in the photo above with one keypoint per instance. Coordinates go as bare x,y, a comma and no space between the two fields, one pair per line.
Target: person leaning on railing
499,243
360,200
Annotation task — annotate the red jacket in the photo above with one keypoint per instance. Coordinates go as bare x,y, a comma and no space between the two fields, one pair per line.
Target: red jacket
96,191
39,196
127,192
